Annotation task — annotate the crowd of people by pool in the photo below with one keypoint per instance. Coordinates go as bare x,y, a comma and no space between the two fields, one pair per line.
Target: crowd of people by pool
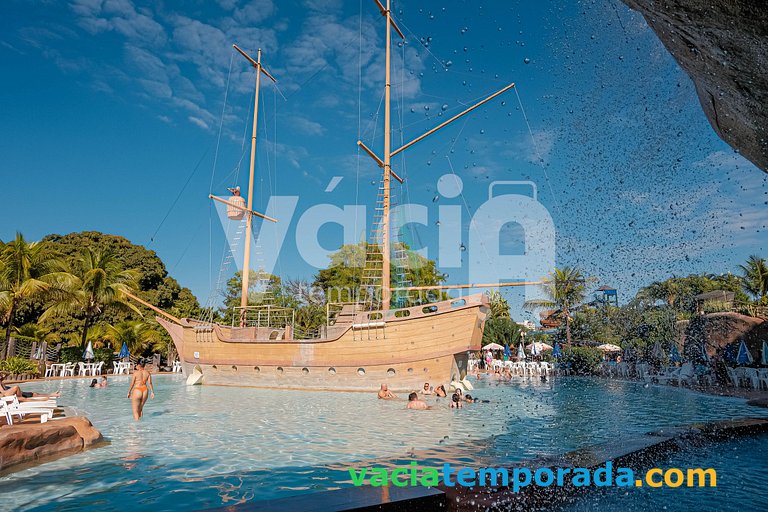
416,398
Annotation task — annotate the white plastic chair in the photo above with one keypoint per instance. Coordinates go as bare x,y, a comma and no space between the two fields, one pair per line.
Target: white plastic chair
49,370
749,375
97,368
670,373
81,369
733,376
686,375
69,368
177,366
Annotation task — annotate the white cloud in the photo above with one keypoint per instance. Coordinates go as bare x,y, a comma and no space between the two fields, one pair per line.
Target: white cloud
199,122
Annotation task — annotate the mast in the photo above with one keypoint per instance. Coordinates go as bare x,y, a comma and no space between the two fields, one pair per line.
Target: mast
385,249
249,214
385,163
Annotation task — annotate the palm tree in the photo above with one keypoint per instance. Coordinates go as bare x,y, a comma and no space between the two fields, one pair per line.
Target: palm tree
755,277
137,335
499,307
27,270
97,282
565,287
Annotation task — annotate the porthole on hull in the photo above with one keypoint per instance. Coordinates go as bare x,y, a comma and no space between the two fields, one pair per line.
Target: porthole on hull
305,371
256,369
361,371
332,371
280,369
391,372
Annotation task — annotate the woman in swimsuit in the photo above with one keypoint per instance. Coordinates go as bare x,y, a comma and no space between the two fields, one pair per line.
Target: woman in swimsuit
140,380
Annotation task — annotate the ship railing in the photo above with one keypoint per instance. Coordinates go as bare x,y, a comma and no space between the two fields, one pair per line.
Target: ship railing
267,315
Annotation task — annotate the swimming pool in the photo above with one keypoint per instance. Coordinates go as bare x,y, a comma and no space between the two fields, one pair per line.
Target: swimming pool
212,446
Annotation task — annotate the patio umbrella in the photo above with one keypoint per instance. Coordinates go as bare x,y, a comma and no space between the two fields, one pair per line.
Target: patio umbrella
743,357
556,351
88,354
538,347
507,352
493,346
609,347
674,354
765,354
123,352
729,354
657,352
521,352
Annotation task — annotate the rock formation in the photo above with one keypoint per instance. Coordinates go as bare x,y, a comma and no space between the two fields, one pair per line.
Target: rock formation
721,329
25,442
723,46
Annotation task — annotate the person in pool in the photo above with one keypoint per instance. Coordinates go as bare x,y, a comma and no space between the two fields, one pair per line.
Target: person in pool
99,383
427,390
415,403
440,391
22,396
456,401
385,393
140,381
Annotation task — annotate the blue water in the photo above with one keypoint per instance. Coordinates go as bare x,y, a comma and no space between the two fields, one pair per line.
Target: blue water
212,446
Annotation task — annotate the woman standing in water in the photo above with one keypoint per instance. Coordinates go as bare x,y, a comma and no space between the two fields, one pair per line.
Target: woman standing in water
140,380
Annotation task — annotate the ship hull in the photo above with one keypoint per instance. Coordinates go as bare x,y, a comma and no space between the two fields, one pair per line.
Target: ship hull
402,348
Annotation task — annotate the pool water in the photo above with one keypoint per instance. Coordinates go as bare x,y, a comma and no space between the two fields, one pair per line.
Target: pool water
212,446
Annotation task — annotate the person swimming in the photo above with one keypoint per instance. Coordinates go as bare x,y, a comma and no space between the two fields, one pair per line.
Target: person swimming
385,393
456,401
440,391
415,403
140,381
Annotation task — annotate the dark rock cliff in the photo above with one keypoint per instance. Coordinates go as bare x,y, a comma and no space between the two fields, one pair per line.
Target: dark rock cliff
723,46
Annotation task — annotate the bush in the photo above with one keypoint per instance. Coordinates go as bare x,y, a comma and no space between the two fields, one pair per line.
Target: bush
583,360
19,366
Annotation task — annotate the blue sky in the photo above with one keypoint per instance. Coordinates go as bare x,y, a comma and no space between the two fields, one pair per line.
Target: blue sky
107,107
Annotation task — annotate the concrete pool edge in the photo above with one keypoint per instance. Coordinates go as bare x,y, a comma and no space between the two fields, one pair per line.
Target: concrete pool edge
638,452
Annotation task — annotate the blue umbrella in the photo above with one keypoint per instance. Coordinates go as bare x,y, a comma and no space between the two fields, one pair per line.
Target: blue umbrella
124,352
674,354
744,357
556,350
729,354
704,355
507,352
765,354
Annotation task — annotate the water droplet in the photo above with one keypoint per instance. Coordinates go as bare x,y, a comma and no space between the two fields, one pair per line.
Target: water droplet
449,64
463,247
413,110
435,199
426,107
465,48
502,103
464,30
445,106
527,60
437,223
482,132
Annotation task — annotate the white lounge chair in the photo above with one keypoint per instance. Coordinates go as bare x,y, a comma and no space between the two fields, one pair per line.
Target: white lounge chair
14,408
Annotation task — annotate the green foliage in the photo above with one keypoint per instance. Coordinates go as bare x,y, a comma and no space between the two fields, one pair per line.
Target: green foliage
27,271
71,355
104,354
140,337
19,366
503,331
715,306
342,279
565,288
678,292
583,360
755,278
